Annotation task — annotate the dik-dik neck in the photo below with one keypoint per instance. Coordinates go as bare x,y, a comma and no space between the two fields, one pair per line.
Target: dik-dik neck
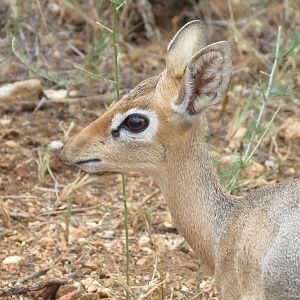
199,205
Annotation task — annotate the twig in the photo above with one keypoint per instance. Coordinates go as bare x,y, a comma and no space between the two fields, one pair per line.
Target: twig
17,215
148,197
54,284
103,26
37,273
34,275
115,237
14,197
74,210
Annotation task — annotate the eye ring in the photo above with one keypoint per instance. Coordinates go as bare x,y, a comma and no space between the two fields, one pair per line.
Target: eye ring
135,123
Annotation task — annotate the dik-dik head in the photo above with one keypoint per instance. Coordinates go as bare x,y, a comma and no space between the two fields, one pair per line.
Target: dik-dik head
134,133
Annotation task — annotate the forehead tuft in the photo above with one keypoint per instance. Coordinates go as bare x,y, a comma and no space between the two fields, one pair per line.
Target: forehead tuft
142,89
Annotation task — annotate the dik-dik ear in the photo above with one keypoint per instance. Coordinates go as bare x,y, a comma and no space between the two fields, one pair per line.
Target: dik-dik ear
188,40
206,79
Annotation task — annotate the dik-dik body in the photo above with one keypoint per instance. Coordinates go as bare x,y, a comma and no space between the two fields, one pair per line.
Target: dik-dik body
253,243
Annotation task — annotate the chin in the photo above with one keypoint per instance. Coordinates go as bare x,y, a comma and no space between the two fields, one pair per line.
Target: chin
92,167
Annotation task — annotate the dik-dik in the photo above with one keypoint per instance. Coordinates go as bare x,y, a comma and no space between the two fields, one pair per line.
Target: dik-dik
251,243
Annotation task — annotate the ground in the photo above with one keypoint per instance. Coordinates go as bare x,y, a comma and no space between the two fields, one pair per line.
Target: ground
66,224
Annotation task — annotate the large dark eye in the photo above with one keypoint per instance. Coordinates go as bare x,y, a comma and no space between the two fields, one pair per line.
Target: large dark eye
135,123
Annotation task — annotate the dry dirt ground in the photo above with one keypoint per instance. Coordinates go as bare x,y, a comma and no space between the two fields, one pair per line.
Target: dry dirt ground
64,224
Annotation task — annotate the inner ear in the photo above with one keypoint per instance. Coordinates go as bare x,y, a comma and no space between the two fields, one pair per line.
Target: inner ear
206,78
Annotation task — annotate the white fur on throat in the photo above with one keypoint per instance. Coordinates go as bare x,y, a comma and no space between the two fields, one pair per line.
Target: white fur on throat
145,135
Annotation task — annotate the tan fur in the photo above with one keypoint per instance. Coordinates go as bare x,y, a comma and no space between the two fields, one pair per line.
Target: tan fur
251,244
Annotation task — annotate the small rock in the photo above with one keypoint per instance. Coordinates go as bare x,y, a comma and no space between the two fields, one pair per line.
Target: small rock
55,145
236,140
80,241
141,262
104,293
56,94
53,8
89,296
73,93
174,243
77,284
290,129
92,225
47,242
271,163
167,227
13,260
4,121
184,288
143,241
78,233
290,171
11,144
26,90
90,265
65,289
91,285
73,295
207,285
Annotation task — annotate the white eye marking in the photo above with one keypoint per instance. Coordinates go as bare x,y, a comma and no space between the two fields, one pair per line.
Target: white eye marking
145,135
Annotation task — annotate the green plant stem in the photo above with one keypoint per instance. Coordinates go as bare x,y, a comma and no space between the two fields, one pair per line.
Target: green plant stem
266,96
67,79
94,76
116,48
244,163
275,63
117,89
262,137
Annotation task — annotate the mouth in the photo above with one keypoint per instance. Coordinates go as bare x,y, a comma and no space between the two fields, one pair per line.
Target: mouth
87,161
89,165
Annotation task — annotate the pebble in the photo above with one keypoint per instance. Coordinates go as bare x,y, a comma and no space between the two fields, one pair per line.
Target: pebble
143,241
13,260
11,144
4,121
91,285
89,296
184,288
55,145
56,94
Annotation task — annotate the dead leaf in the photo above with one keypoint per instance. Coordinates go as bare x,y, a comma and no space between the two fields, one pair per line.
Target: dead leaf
236,140
290,129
